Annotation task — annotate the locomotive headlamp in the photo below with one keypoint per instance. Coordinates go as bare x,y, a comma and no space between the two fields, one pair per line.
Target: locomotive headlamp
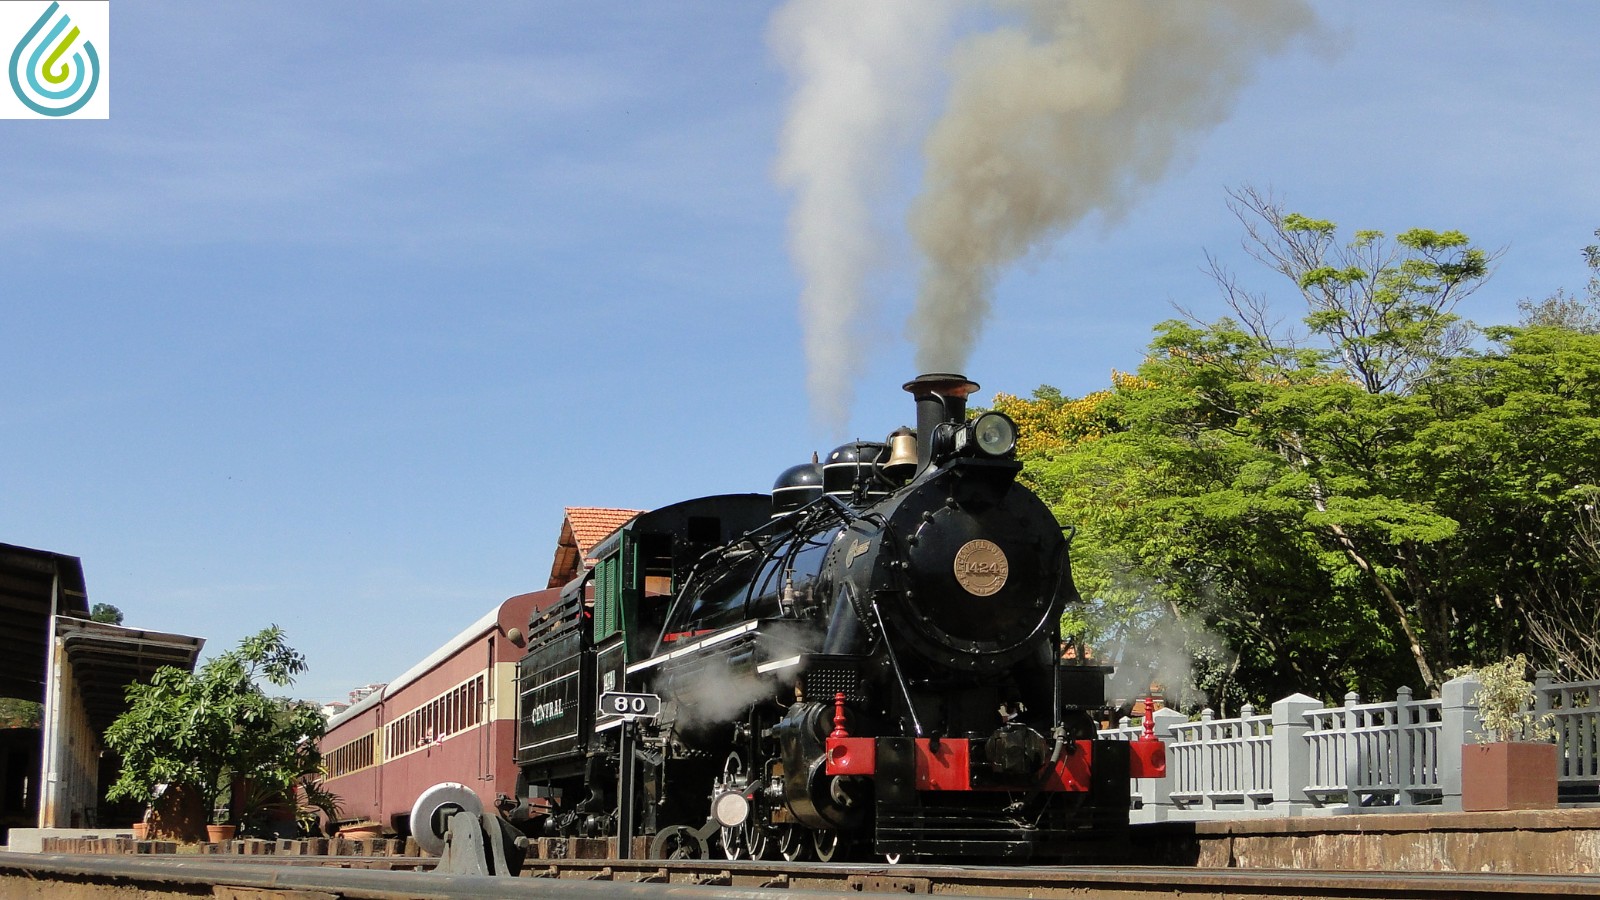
995,434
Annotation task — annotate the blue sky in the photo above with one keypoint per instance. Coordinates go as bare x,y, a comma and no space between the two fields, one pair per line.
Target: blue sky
345,302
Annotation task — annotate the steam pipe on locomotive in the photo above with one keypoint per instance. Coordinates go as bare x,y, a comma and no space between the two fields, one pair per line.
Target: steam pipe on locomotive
874,659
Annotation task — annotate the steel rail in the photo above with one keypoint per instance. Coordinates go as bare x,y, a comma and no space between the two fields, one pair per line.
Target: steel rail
718,880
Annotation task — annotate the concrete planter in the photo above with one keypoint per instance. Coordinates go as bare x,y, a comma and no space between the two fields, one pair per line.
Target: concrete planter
1508,776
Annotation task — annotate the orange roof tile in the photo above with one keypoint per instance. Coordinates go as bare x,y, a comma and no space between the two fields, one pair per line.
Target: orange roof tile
582,529
593,524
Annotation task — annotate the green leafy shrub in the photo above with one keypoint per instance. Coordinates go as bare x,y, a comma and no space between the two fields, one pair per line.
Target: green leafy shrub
204,731
1505,700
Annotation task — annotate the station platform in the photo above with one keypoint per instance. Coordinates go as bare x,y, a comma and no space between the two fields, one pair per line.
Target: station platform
1556,841
31,840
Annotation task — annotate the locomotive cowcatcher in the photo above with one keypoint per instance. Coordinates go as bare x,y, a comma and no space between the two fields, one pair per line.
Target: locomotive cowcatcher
867,660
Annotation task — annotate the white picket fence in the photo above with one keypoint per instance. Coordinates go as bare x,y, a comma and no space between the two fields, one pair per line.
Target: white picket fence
1304,758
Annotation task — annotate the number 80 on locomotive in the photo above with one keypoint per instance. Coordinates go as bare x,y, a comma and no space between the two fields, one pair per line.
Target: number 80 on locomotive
630,706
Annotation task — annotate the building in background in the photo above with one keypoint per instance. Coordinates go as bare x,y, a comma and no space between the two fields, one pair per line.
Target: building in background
77,670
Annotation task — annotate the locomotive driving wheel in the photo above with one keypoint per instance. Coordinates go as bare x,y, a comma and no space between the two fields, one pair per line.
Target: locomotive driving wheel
830,846
735,838
763,841
794,843
678,842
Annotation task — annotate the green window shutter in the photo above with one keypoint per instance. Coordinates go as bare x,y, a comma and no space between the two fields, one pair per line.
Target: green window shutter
605,599
628,590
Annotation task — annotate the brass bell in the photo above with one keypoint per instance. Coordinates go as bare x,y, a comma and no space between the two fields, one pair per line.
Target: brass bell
902,453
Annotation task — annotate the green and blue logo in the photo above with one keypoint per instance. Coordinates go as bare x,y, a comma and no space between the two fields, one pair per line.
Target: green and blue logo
55,68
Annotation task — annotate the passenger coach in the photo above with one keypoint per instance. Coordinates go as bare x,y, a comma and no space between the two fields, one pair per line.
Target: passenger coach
451,717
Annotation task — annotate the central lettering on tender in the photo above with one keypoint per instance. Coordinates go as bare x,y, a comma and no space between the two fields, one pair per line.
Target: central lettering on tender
545,712
981,568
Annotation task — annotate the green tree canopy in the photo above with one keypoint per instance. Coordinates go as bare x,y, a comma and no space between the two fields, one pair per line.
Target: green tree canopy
105,612
1360,506
15,713
205,729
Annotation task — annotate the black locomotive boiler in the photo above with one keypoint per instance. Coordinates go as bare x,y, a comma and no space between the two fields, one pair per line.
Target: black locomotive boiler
868,660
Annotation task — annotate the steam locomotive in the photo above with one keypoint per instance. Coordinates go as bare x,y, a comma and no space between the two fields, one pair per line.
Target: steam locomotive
867,660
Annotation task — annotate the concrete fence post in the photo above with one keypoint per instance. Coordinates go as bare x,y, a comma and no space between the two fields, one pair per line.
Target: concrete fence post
1291,760
1543,687
1244,776
1353,752
1158,791
1458,726
1404,749
1542,680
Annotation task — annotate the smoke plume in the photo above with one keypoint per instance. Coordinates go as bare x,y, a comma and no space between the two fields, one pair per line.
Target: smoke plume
1069,113
857,68
1070,109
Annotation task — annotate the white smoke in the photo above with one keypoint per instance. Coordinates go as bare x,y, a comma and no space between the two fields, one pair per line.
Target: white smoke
1071,112
1162,651
858,68
1072,109
714,693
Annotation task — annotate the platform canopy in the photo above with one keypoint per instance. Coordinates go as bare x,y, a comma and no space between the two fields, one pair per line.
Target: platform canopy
35,586
107,658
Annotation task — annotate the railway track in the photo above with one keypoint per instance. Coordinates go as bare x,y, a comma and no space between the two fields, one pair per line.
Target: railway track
63,877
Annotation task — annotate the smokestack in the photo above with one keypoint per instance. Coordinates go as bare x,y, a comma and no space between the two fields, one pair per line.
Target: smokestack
941,398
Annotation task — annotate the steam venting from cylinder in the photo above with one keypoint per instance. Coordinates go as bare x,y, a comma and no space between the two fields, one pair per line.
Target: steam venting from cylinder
1068,109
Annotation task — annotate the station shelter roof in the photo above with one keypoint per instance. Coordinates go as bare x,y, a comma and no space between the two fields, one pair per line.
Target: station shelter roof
35,586
107,658
38,585
582,529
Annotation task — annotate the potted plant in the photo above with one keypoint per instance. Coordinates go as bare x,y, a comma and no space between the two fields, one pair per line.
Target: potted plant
317,808
1513,765
197,733
220,830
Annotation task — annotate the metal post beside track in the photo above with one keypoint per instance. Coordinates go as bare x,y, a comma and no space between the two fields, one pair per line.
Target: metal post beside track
631,707
625,789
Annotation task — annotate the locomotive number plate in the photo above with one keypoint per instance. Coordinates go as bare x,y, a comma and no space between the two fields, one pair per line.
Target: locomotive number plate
630,706
981,568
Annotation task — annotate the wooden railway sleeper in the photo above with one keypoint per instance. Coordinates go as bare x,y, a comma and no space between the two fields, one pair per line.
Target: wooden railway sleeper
723,878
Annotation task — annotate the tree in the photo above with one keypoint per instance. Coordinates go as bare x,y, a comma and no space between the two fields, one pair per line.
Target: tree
1196,516
1563,310
1562,615
1523,446
105,612
204,730
15,713
1359,504
1384,309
